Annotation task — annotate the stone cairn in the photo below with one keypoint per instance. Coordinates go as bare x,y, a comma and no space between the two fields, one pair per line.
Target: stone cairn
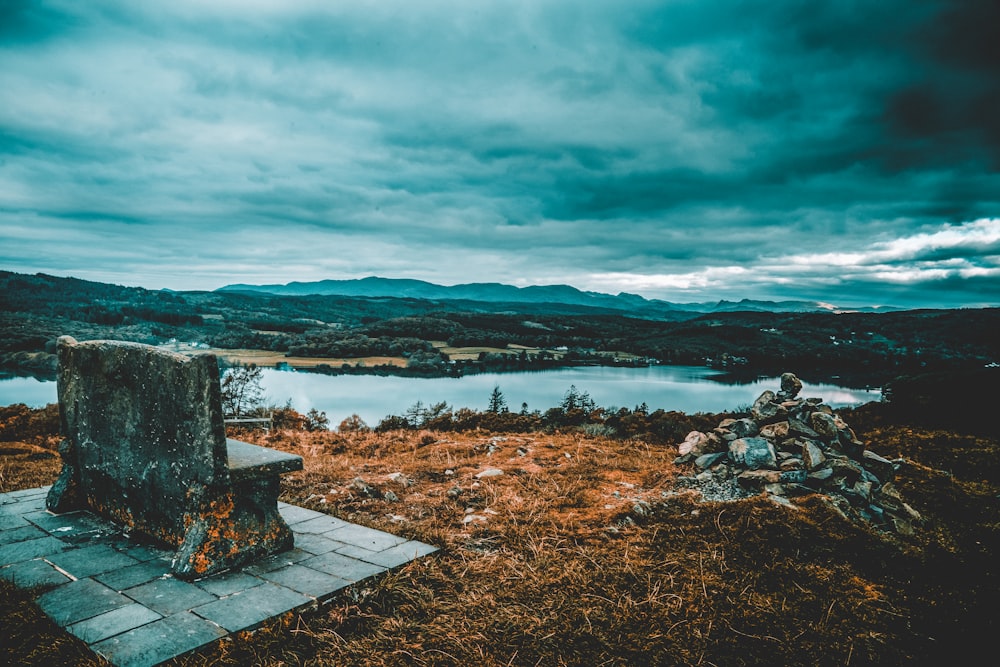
792,446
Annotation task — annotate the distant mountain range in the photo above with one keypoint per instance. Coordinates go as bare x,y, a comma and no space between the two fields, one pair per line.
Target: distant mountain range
535,294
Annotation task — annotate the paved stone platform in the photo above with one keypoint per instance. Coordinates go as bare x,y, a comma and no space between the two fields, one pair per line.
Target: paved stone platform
118,596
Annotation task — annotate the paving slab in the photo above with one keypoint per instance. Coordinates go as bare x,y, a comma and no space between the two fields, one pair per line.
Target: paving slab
159,641
23,532
142,552
318,544
228,583
134,575
118,596
392,557
31,549
32,573
40,491
90,560
367,538
8,521
306,580
113,622
168,595
274,561
345,567
293,514
80,600
320,524
248,609
23,506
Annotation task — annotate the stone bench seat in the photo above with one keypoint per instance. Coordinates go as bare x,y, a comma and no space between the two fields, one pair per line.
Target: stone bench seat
251,462
145,446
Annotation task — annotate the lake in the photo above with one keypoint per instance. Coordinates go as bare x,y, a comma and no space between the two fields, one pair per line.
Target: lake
684,388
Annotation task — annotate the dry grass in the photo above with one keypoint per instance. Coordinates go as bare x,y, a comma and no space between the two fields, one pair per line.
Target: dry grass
580,554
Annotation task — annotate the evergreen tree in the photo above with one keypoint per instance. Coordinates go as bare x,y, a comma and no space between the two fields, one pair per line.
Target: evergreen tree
498,403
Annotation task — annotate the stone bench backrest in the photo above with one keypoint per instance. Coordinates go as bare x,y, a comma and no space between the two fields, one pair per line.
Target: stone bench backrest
147,428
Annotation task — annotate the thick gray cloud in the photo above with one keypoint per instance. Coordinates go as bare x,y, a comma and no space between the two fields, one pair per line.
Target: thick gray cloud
841,150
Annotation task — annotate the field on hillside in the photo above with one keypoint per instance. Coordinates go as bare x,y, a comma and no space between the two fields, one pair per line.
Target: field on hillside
582,552
270,359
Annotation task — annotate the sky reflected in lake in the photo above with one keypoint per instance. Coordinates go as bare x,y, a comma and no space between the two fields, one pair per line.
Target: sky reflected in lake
683,388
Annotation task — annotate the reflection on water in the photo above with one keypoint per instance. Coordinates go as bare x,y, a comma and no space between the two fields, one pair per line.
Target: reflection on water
683,388
31,391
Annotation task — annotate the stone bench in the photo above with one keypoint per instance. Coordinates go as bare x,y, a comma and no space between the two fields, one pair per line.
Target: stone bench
145,446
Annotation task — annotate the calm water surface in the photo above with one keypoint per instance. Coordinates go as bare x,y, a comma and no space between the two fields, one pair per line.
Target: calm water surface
684,388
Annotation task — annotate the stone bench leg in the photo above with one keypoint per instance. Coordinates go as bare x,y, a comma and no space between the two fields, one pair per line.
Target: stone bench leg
233,528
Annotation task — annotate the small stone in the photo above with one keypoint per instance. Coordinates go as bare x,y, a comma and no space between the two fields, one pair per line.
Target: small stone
799,427
489,472
845,468
390,496
781,500
793,477
765,410
879,466
365,489
819,477
775,431
697,443
454,492
706,461
902,526
872,479
864,489
812,456
791,463
793,446
401,479
724,433
642,508
758,478
753,453
855,497
790,386
743,428
824,425
774,489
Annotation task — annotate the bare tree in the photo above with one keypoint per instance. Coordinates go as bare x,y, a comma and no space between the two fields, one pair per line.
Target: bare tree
241,390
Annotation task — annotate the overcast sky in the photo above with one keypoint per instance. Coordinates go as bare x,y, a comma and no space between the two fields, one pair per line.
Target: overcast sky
846,151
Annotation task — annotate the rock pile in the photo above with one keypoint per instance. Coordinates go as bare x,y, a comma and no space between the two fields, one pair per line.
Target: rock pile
791,446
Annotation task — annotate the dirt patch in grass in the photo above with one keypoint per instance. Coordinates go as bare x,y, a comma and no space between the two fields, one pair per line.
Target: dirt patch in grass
583,553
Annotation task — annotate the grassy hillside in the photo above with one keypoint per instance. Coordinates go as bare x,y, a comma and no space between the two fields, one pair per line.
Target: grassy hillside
860,348
584,552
